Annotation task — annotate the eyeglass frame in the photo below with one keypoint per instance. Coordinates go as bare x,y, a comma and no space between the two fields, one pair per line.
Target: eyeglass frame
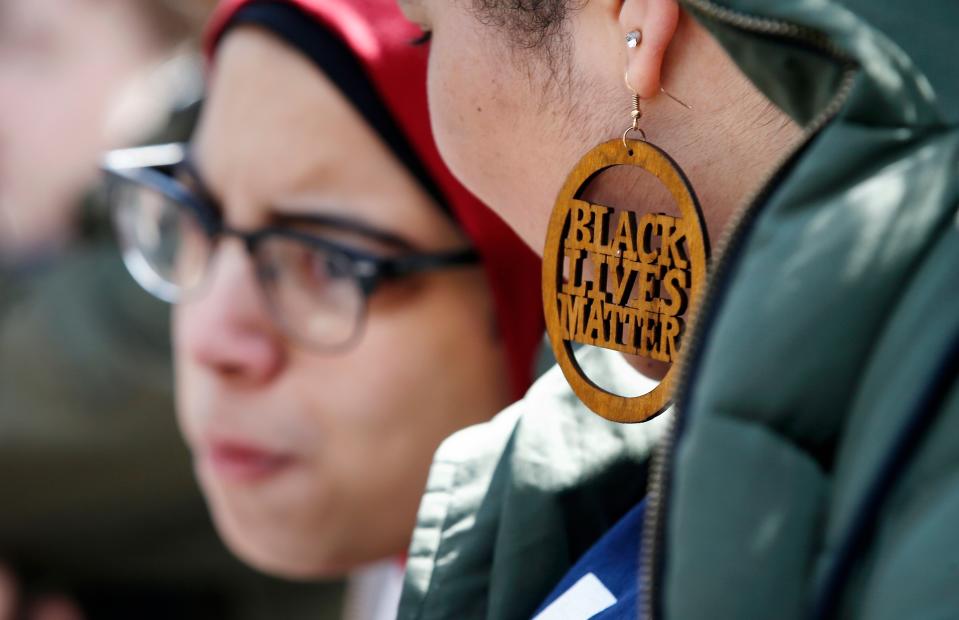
154,167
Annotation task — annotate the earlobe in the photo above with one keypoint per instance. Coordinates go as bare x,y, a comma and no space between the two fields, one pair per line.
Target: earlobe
657,20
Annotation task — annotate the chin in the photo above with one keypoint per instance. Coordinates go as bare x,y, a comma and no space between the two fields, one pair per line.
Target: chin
292,569
265,557
274,551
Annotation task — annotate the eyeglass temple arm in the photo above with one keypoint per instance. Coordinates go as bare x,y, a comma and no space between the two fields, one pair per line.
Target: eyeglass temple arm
430,262
391,268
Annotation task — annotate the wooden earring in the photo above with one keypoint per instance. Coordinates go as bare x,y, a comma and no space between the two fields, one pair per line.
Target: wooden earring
622,279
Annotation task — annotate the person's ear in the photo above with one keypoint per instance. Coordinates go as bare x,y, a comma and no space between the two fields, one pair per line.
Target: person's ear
656,20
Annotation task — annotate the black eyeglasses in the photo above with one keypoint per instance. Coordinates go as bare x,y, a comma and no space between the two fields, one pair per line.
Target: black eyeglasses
317,289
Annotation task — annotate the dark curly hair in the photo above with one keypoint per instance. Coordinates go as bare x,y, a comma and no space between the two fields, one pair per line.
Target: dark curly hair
530,24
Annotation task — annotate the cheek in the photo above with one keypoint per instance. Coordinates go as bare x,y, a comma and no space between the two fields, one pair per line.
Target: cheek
471,94
183,374
422,373
180,328
186,374
490,124
450,97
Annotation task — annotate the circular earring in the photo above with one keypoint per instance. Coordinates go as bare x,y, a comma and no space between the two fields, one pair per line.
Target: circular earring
634,38
621,278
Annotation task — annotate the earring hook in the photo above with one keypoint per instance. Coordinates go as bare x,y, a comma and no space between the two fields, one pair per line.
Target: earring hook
636,114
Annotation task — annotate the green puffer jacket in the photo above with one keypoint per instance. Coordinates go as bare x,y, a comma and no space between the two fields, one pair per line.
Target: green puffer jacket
814,471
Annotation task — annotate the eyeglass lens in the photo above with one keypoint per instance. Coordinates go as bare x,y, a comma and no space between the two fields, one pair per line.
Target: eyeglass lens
312,292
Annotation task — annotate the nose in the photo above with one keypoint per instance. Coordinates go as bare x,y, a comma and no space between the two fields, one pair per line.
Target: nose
227,327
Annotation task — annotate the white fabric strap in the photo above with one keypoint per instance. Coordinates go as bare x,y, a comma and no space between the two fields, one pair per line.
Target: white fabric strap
586,598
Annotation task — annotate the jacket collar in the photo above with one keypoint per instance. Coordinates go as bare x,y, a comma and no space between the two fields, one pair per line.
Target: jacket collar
797,52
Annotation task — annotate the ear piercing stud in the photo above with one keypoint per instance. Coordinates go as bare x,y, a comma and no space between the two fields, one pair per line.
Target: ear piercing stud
633,38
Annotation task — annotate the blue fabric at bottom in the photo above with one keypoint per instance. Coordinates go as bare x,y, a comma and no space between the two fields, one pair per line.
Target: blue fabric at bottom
614,560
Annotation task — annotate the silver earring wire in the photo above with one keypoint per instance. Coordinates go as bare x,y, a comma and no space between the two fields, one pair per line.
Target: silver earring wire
664,91
679,101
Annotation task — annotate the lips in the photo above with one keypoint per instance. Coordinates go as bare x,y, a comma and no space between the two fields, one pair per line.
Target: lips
244,463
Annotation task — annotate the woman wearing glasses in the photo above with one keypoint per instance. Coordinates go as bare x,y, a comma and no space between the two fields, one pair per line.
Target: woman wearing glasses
341,303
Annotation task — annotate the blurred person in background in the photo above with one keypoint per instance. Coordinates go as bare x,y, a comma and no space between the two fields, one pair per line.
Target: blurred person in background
99,502
342,303
78,77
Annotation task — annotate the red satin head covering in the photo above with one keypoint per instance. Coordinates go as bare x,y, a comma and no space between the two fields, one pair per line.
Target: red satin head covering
380,36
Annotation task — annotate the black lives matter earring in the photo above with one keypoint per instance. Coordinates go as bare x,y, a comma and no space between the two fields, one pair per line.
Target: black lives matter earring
620,278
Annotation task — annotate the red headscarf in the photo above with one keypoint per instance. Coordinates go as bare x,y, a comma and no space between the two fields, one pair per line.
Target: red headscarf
379,37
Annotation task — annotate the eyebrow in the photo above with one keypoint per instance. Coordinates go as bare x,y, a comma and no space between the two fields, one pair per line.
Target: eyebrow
281,217
344,224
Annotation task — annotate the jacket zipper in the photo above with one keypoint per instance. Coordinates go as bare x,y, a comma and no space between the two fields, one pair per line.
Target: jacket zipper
732,238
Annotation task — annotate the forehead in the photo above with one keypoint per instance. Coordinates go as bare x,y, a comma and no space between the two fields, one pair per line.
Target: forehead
274,124
276,133
267,106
